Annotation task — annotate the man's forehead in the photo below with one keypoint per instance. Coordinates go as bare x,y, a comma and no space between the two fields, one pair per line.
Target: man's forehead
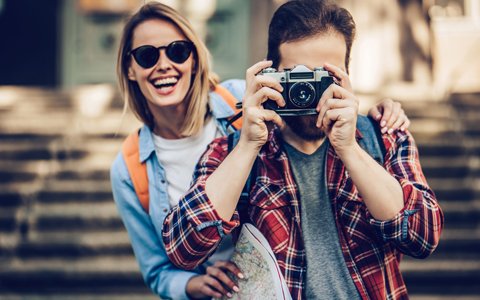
314,51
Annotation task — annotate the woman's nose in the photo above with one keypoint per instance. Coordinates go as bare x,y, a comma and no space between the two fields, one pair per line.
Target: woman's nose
164,62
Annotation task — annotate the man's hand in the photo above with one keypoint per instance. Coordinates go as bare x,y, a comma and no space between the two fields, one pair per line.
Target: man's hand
338,110
215,283
259,89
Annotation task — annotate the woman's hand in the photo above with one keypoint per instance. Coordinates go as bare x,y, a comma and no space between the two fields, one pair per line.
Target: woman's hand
259,88
215,283
390,115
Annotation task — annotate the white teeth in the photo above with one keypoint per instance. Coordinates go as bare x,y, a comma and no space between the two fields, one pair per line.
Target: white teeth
163,81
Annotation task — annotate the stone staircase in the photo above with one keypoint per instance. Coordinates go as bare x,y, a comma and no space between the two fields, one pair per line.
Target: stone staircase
60,234
449,145
61,237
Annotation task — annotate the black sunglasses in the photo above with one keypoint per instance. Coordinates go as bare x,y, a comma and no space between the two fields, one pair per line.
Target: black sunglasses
147,56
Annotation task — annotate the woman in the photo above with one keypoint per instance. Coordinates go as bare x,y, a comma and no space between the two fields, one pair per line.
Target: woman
165,77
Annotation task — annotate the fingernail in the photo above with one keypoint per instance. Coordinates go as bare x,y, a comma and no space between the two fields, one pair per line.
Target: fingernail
236,289
378,117
383,123
402,128
390,131
241,276
384,129
229,295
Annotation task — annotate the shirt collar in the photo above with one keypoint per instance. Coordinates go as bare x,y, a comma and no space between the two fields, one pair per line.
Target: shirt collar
220,109
145,141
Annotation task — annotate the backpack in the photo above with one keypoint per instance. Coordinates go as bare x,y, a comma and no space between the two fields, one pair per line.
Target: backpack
131,151
371,142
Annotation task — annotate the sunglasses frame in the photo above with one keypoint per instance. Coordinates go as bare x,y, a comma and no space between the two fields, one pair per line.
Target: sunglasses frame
187,44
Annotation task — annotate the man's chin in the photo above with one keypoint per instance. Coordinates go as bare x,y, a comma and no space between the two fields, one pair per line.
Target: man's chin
305,127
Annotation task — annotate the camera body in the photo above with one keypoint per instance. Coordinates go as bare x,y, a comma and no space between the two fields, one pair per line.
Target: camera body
302,89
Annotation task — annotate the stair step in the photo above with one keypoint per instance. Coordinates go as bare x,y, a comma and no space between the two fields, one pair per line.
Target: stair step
442,277
458,243
104,274
468,100
8,220
75,245
449,189
77,216
434,296
74,191
10,198
94,295
462,215
65,123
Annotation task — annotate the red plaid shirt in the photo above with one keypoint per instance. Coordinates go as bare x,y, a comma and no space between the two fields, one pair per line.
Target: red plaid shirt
372,249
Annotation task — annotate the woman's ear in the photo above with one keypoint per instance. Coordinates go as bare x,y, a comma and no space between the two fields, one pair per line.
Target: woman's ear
131,74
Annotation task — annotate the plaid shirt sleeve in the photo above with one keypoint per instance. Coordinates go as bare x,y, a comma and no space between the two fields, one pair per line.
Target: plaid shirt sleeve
416,229
193,229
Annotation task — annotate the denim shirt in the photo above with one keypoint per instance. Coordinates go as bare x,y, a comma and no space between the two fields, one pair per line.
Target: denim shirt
145,229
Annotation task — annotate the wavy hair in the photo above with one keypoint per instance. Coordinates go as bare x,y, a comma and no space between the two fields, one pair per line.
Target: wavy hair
203,79
301,19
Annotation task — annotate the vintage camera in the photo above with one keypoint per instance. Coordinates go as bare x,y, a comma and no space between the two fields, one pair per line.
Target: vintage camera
302,89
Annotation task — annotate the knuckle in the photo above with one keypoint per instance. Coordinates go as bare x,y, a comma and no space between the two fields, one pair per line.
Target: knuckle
350,111
218,263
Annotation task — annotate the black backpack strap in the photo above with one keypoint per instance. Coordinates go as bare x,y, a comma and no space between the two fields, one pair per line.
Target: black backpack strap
372,140
233,139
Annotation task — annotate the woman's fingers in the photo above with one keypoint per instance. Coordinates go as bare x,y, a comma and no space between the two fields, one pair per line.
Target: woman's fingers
387,110
216,286
396,110
208,291
375,113
223,280
230,266
401,123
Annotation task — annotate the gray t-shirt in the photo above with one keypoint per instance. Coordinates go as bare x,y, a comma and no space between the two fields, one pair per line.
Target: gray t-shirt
327,274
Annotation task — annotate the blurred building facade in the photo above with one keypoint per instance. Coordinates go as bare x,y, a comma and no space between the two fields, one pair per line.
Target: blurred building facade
74,42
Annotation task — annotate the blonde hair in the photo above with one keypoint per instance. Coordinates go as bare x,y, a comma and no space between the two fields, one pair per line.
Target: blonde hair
203,80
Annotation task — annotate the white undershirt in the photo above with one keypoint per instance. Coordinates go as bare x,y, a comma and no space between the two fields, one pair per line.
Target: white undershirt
180,156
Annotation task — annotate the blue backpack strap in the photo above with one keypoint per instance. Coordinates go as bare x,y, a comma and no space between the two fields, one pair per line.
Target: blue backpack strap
372,141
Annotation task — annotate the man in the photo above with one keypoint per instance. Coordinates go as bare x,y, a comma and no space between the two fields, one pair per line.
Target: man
337,221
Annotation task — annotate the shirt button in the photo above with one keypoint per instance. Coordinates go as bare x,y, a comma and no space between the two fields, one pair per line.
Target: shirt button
162,181
165,210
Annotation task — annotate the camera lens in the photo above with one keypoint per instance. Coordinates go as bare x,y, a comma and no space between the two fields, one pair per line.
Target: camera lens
302,94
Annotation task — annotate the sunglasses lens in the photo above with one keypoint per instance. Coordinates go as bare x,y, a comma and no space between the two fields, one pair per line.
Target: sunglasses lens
146,56
179,51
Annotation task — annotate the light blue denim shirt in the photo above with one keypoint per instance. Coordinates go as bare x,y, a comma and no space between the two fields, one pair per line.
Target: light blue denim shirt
145,229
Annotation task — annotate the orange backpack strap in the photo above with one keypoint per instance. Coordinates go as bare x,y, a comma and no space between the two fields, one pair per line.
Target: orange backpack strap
137,170
231,101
